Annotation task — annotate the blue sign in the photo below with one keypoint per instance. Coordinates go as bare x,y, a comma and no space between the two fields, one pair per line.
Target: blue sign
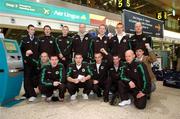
151,26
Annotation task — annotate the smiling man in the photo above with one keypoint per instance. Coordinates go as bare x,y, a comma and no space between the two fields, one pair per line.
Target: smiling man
136,80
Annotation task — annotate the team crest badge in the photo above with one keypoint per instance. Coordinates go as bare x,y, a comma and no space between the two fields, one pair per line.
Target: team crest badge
144,39
86,38
57,72
83,70
51,41
124,40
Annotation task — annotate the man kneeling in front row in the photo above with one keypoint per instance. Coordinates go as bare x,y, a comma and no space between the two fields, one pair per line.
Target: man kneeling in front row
134,79
53,79
78,76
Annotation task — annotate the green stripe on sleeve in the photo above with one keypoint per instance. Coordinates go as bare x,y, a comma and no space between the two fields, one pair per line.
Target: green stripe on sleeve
122,75
143,76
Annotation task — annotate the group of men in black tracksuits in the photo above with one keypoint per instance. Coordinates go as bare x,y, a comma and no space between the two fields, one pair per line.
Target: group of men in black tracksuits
100,63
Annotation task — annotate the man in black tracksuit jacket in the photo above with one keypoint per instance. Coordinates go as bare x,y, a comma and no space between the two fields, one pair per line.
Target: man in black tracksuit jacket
120,42
78,76
140,39
53,78
39,65
64,47
82,43
29,45
101,41
47,43
114,76
100,73
135,78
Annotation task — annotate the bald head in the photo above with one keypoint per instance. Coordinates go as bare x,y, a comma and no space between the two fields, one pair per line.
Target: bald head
44,57
138,28
129,56
82,28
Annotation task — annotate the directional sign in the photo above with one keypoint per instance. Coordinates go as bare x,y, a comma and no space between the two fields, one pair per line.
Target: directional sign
151,26
29,8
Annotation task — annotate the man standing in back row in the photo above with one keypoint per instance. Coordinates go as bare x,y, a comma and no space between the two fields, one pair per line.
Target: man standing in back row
120,42
29,45
101,41
82,43
47,42
64,47
140,39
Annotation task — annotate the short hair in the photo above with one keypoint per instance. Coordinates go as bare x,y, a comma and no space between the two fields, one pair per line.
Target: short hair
120,23
54,56
116,55
44,53
65,27
78,54
102,25
47,26
30,25
82,24
138,23
98,53
139,48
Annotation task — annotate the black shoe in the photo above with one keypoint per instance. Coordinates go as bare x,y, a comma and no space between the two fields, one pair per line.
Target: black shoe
106,99
99,95
148,97
55,99
112,102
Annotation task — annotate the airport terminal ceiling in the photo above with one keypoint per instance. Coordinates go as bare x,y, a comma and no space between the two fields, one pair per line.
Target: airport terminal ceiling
147,7
143,6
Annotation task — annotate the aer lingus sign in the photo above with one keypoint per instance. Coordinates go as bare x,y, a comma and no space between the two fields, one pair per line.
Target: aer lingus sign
35,9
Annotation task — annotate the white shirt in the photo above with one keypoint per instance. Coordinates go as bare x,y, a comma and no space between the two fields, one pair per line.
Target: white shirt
101,36
140,59
97,66
120,36
31,37
82,35
78,66
116,68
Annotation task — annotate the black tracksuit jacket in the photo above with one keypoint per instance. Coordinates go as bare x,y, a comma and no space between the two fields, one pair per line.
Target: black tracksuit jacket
83,47
120,48
47,44
50,74
136,72
138,41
